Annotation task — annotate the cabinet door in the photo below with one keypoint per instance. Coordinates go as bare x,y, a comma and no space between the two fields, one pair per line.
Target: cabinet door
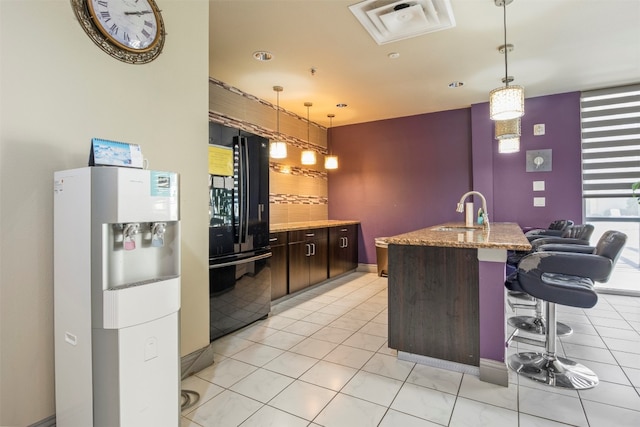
351,248
343,249
298,266
279,284
336,239
318,260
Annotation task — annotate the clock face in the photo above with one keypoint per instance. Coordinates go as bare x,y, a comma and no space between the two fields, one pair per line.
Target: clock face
132,24
131,31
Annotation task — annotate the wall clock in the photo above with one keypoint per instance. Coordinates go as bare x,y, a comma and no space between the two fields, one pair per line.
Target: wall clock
129,30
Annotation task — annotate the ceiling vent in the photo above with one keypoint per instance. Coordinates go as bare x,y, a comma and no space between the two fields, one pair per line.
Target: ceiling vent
389,21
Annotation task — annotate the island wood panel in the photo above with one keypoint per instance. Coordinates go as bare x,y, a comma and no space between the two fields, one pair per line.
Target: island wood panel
433,302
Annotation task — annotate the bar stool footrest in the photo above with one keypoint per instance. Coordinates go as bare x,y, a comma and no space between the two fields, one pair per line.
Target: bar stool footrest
536,325
554,371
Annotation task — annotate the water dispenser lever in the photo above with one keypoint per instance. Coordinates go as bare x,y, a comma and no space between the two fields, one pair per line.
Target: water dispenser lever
129,234
157,234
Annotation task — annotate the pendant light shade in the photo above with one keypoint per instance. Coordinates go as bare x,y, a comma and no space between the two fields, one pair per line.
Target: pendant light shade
277,148
330,160
505,129
506,103
509,145
308,156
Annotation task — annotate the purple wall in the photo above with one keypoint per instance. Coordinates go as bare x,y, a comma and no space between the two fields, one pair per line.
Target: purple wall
404,174
509,188
400,175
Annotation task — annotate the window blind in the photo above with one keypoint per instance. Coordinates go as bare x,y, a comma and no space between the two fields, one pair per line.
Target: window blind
610,120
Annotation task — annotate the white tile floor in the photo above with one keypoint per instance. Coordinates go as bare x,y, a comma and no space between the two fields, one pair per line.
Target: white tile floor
321,359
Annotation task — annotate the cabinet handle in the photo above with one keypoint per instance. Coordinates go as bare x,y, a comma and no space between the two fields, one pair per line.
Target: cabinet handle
273,239
346,242
313,249
308,249
310,234
344,229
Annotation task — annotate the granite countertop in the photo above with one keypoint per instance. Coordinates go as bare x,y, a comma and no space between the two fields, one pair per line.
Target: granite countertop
501,235
303,225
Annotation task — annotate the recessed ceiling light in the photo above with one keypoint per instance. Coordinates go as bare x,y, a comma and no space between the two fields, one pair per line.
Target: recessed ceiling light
341,105
456,84
262,55
394,55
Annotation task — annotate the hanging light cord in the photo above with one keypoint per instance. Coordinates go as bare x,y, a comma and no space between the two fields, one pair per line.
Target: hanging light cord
506,48
308,140
278,112
330,126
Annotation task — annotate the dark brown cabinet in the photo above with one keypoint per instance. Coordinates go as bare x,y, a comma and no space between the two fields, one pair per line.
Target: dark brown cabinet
434,302
343,249
279,282
308,258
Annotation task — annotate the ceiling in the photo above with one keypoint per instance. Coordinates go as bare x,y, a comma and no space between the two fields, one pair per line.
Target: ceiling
560,46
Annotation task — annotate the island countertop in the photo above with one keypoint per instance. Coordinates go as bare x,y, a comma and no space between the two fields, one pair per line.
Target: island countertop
501,235
303,225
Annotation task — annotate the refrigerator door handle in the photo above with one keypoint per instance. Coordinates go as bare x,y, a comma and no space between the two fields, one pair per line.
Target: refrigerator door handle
241,178
244,158
241,261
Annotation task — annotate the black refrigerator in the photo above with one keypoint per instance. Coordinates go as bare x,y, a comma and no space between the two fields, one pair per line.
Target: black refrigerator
239,252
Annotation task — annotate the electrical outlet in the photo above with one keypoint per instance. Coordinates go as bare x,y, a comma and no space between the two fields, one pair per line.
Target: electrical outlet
539,202
538,129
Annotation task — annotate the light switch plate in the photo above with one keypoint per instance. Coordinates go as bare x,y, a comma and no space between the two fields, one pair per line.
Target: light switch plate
538,185
539,202
538,129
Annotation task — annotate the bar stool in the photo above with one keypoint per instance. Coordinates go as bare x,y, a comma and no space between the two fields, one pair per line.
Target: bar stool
571,234
564,278
575,236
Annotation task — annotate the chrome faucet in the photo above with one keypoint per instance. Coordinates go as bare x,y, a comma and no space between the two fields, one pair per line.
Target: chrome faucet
485,215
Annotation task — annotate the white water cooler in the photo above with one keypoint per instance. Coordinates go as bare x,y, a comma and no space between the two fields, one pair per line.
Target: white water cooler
116,297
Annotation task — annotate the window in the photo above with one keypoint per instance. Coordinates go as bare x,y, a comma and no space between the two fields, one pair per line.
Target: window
610,121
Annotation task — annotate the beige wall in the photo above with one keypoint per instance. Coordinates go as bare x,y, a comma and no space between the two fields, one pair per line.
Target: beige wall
297,192
57,91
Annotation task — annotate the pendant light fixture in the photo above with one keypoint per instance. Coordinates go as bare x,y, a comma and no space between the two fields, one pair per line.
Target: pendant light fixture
509,145
330,161
506,103
277,148
507,128
308,156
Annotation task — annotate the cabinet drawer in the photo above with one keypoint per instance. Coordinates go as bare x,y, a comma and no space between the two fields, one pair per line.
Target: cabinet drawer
307,235
279,238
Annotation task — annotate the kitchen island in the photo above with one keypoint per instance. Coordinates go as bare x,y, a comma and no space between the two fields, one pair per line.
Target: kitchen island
447,298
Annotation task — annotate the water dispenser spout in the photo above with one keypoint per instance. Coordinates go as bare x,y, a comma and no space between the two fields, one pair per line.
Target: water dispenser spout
157,233
129,236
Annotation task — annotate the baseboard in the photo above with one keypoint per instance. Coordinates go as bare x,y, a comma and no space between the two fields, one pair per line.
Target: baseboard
47,422
196,361
614,291
438,363
367,268
494,372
